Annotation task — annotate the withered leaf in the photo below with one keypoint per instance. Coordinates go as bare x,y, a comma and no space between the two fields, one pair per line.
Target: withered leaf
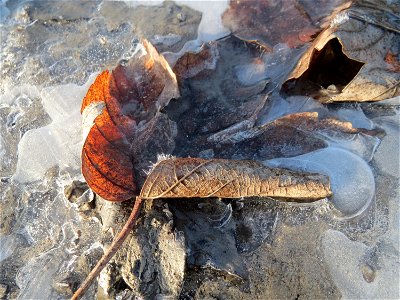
195,177
288,136
132,93
271,22
311,121
303,121
350,60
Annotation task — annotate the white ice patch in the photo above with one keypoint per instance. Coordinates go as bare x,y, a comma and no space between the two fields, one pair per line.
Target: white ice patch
58,143
89,114
210,27
347,263
356,116
387,157
352,181
20,96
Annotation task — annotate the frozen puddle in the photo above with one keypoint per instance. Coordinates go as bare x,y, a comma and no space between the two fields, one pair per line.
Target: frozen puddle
361,272
352,181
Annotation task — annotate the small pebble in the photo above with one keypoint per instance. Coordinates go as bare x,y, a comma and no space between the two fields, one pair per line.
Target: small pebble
368,273
3,291
181,17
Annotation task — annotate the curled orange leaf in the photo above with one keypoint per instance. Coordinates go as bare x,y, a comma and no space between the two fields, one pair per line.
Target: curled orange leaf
131,94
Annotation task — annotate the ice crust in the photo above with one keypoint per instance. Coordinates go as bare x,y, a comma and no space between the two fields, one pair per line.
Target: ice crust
387,156
58,143
269,66
210,27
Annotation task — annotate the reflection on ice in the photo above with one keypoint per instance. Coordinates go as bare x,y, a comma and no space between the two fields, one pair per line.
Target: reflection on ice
352,181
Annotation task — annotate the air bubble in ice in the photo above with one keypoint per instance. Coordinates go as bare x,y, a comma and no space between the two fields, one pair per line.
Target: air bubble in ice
352,181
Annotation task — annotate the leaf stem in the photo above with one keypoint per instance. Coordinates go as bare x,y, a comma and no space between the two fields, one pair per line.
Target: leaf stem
115,245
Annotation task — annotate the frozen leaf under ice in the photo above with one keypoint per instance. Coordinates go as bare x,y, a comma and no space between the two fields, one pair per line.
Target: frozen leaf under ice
271,22
192,63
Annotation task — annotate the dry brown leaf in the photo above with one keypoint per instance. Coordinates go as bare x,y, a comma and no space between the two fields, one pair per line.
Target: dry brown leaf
311,121
346,62
277,130
195,177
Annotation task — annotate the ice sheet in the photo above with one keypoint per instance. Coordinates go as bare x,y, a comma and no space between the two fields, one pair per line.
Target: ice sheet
360,271
4,11
387,156
210,27
58,143
273,66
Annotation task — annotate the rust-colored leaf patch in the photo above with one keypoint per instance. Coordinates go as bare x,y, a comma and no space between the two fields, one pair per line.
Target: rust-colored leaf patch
392,59
132,93
191,64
